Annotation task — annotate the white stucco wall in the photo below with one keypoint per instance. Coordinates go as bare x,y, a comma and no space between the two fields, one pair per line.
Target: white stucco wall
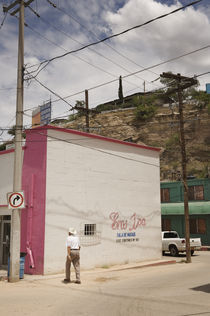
6,176
87,180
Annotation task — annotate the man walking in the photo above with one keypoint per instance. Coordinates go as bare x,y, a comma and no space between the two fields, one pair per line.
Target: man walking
73,255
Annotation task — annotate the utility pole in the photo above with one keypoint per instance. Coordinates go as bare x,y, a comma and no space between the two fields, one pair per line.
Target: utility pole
183,83
144,84
184,170
87,112
120,90
17,183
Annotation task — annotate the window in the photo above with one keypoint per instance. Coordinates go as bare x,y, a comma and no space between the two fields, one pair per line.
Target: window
90,234
90,229
196,192
197,226
166,224
165,195
7,217
171,235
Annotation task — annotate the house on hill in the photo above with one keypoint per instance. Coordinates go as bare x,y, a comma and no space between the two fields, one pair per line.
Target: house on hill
109,190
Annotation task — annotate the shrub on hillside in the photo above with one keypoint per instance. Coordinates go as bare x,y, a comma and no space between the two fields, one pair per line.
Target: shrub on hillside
145,107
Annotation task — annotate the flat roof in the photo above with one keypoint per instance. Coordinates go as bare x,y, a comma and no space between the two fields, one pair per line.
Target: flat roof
75,132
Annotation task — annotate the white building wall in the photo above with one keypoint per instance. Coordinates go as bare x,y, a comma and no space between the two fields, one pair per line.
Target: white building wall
87,180
6,176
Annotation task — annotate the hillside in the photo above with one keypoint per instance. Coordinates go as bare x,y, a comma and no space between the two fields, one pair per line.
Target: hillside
162,130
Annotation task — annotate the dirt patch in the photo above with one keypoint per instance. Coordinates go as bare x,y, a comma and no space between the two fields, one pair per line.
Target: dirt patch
103,279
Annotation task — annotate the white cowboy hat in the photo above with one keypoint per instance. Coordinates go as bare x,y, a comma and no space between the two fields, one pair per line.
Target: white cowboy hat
72,231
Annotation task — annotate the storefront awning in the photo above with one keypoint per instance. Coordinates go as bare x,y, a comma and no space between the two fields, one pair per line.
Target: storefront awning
178,208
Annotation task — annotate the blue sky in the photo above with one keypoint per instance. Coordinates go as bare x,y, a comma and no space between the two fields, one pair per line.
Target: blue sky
76,23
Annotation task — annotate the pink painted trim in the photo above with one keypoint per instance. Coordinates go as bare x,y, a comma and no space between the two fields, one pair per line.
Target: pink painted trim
33,216
71,131
3,205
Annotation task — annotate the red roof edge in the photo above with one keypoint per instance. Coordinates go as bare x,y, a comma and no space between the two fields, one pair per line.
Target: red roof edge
3,152
72,131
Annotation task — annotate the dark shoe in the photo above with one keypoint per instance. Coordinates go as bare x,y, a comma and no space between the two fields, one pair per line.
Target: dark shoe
66,281
78,282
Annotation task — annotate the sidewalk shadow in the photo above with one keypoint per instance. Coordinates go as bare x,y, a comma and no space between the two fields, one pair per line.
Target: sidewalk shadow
180,255
203,288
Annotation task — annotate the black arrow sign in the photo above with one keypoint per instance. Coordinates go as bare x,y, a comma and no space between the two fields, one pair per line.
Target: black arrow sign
17,198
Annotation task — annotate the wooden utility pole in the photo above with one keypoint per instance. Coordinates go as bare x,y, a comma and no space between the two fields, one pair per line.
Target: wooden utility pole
144,84
120,90
17,179
183,83
184,171
87,111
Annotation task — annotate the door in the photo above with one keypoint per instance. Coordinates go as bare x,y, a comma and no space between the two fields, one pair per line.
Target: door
5,224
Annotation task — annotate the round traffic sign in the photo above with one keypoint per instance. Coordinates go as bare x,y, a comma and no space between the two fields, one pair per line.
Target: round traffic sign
16,200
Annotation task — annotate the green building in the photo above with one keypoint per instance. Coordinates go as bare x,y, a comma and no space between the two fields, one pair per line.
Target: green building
172,208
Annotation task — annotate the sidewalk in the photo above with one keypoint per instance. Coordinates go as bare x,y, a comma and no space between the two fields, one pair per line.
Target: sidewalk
100,271
95,271
204,248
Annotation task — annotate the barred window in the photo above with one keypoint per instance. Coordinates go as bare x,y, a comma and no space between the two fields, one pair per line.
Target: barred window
90,234
90,229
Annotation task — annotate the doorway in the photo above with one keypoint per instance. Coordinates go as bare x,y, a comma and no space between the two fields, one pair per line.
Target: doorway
5,226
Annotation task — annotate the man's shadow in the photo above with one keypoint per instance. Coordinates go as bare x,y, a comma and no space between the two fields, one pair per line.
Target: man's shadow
203,288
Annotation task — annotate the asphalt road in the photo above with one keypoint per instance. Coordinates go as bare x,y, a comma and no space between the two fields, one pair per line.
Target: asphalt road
176,289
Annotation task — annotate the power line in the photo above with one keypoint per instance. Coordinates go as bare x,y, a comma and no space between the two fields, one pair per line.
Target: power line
53,92
46,62
82,59
50,41
172,59
154,66
4,18
150,67
8,89
100,85
203,74
114,49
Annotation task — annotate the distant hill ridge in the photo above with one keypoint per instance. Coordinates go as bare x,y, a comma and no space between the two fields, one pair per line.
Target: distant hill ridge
162,130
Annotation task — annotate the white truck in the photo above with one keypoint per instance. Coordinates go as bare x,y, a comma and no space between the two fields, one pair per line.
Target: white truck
171,242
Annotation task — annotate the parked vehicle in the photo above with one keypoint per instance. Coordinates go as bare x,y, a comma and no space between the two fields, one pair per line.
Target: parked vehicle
171,242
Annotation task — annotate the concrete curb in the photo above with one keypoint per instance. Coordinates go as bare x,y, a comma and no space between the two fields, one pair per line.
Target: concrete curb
147,265
204,248
100,271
